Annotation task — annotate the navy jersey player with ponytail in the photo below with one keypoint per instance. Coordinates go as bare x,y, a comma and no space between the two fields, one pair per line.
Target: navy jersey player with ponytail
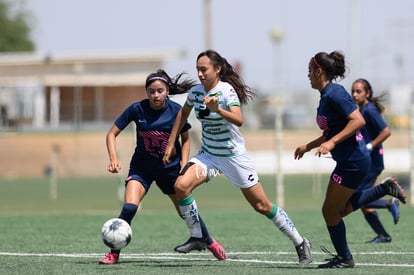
154,118
340,121
375,132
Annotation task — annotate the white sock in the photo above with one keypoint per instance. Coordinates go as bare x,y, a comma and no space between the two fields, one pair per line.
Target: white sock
283,222
189,213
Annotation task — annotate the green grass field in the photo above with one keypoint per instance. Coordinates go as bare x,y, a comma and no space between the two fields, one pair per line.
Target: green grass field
41,236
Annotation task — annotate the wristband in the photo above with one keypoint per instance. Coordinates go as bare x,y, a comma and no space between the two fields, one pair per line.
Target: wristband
369,146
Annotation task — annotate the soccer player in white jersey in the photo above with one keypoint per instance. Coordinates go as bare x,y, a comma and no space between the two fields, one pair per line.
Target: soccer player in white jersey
217,102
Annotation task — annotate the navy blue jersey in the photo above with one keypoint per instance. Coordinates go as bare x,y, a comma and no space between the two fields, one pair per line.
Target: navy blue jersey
153,128
334,107
373,127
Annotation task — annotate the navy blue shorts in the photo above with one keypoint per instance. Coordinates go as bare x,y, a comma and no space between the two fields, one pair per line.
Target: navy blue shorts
351,173
165,179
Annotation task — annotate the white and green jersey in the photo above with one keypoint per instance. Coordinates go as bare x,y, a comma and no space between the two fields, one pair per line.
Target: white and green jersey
219,137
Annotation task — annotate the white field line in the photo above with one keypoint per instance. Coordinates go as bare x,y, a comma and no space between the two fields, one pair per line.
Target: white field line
232,257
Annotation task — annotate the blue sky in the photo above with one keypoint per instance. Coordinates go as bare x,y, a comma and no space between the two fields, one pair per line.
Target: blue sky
241,33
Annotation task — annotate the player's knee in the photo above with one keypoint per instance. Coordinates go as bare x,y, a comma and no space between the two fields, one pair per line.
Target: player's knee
261,208
183,185
326,213
186,180
179,185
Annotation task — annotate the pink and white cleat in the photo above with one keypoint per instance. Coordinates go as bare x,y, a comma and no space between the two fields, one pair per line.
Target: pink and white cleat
218,250
110,258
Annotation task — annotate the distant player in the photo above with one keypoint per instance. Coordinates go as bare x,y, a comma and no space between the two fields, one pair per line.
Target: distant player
375,132
154,118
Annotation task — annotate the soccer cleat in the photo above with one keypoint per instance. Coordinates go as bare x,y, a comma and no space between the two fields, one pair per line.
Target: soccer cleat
381,239
110,258
218,250
201,244
394,208
304,251
336,261
394,189
191,244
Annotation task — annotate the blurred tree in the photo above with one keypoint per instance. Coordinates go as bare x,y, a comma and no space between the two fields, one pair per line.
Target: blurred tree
14,27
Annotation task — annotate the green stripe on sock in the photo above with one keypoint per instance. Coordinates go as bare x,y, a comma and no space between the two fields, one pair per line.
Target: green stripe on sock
186,201
273,212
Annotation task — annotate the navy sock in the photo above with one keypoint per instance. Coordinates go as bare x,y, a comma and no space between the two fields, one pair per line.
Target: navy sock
204,230
375,223
338,238
363,197
378,204
127,213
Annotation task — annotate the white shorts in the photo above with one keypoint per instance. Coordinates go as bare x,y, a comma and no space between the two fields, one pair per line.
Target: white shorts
238,169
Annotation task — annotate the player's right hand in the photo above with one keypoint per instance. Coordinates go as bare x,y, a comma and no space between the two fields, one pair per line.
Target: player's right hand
114,167
300,151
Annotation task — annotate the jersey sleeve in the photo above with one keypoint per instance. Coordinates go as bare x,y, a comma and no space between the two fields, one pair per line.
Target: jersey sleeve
189,102
126,117
233,98
375,119
192,96
177,107
343,101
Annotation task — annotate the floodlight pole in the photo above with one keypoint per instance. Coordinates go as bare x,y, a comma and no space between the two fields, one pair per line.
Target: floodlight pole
207,24
276,36
53,186
412,154
355,39
280,188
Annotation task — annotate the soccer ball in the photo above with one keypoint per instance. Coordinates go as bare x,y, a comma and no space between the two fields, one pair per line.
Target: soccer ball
116,233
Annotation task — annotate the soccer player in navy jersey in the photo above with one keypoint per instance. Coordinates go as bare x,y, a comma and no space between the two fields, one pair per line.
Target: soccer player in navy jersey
217,101
375,132
154,118
340,121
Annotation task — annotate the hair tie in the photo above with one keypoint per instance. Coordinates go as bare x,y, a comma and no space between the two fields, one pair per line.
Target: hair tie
316,62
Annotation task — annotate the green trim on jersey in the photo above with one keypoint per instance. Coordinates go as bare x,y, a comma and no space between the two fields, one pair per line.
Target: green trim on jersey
217,155
213,118
216,133
234,104
216,139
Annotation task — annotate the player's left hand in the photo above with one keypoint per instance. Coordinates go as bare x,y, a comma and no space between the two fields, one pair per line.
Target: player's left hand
211,102
170,152
325,148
